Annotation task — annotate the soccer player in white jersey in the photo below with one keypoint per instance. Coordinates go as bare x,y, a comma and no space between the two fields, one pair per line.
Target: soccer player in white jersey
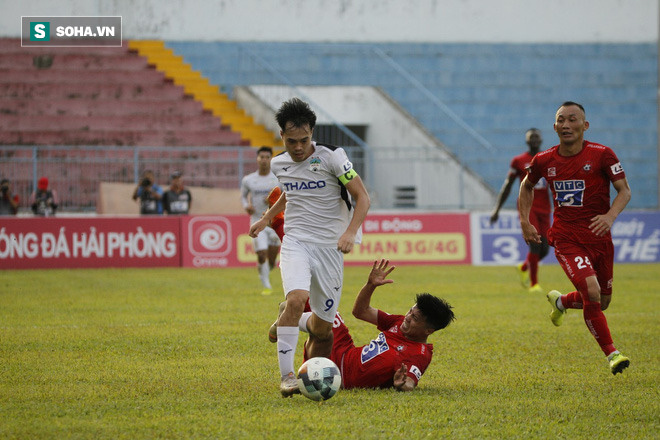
255,188
320,225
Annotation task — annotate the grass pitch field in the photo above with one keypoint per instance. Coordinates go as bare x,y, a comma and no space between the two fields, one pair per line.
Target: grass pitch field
183,353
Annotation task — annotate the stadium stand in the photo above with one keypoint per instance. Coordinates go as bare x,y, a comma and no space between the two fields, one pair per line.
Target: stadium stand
98,96
199,87
499,90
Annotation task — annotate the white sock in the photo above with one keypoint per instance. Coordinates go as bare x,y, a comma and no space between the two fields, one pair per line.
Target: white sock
302,324
559,304
611,355
287,341
264,274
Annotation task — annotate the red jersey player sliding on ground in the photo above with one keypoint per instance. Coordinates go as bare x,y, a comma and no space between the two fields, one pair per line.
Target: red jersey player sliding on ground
579,173
400,353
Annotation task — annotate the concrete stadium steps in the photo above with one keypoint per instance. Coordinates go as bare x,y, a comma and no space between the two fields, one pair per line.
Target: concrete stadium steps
99,107
128,122
198,86
99,96
499,90
122,137
91,92
73,61
34,76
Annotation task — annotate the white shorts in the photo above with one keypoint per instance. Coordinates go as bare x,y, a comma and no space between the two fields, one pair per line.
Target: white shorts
318,270
267,237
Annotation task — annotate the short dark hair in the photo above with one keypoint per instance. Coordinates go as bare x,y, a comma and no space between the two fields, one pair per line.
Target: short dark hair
569,103
437,312
296,112
266,149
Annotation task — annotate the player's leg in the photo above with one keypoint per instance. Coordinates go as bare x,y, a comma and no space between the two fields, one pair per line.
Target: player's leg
537,251
273,247
320,337
604,262
260,245
296,276
325,293
287,340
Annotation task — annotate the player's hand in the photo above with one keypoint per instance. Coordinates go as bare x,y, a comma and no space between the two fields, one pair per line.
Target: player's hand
249,209
346,242
530,234
601,224
400,376
379,273
257,227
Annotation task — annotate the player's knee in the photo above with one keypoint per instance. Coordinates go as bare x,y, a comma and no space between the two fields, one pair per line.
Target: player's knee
605,302
319,329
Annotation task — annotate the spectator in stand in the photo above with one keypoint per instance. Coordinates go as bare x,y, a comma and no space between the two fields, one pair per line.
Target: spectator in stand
177,199
43,201
8,200
150,195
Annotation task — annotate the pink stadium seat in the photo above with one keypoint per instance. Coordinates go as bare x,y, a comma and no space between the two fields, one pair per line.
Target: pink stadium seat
97,96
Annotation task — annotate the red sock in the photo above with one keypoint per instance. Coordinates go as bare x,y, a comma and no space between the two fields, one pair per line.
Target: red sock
597,325
533,263
525,265
572,300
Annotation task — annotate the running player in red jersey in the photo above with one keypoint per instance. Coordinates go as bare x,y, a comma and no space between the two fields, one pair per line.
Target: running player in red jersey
539,214
400,353
579,173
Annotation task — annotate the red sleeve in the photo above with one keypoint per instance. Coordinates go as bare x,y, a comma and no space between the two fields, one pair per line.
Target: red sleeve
386,321
612,165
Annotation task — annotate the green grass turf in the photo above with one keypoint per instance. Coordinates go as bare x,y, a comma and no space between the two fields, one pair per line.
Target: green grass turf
183,353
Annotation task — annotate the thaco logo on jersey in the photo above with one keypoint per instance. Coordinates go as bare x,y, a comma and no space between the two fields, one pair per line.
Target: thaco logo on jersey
569,192
298,186
209,236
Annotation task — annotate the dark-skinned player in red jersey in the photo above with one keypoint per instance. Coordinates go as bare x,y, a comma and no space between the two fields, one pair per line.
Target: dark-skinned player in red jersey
579,174
539,214
400,353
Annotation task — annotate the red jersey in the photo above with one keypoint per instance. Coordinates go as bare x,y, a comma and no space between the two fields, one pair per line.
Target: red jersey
374,365
519,165
580,185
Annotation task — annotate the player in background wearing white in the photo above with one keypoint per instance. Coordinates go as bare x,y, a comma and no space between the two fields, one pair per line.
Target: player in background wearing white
320,225
255,188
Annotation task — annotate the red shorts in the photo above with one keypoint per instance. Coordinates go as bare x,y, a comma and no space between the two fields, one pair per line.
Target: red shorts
581,261
541,221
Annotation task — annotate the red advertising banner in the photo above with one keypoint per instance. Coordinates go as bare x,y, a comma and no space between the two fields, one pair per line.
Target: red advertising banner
216,241
212,241
60,242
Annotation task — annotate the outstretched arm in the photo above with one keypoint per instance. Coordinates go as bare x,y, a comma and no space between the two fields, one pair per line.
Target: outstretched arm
377,277
502,196
525,199
260,224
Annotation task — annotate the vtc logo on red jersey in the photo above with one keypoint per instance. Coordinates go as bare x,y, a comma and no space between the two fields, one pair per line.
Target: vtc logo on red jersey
569,192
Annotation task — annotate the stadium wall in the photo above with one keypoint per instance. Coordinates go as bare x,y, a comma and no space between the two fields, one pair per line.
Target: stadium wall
510,21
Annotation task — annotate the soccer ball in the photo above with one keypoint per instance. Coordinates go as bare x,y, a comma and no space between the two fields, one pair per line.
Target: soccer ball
319,378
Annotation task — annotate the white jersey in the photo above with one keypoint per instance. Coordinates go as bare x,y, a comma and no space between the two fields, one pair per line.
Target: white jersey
318,207
258,187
